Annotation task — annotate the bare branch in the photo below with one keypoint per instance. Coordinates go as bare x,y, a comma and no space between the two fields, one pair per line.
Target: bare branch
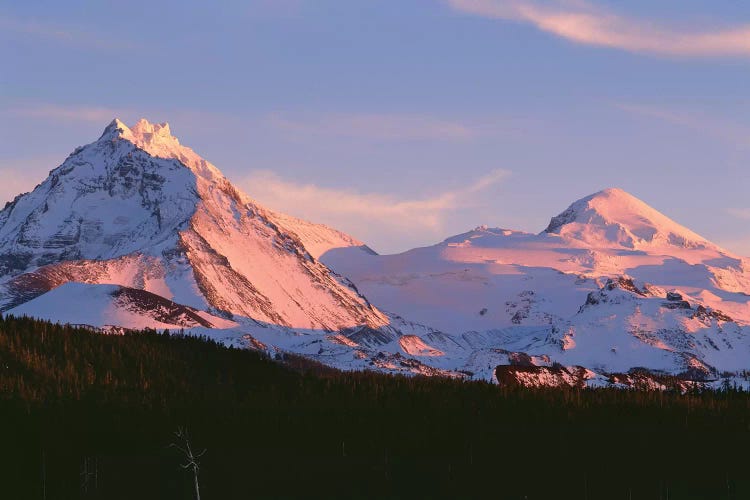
192,460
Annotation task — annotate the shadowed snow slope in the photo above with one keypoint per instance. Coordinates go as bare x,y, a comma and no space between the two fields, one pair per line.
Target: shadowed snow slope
113,305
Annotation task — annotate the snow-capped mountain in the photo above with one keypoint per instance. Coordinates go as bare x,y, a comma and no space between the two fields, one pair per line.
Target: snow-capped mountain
610,285
614,218
136,230
139,210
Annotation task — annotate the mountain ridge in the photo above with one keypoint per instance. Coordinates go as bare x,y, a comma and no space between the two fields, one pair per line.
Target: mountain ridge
153,234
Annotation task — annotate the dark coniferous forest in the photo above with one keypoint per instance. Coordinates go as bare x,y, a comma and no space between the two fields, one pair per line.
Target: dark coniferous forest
86,415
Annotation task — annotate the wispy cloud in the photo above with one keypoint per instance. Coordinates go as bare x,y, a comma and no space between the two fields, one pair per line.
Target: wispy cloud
70,113
581,22
362,126
739,243
102,115
20,176
14,183
723,129
376,218
274,8
62,34
373,126
740,213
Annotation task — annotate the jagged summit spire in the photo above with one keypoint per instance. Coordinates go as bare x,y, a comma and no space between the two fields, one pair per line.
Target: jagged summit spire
116,128
142,132
157,140
614,216
146,131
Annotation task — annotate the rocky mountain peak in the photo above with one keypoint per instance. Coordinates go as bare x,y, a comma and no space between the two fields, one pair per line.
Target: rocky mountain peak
157,140
139,210
115,130
146,132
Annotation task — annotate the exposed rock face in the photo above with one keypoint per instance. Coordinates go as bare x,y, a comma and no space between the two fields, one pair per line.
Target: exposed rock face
542,376
161,309
674,296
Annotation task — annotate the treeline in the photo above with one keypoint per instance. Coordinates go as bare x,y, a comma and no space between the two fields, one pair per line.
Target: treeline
86,415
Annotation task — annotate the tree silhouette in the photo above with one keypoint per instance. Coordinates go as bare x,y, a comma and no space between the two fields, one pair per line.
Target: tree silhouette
192,460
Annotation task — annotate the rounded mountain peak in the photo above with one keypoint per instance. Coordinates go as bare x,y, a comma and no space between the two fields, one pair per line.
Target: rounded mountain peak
614,217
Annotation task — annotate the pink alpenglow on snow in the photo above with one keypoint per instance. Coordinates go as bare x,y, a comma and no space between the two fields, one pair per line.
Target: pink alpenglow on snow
137,209
146,233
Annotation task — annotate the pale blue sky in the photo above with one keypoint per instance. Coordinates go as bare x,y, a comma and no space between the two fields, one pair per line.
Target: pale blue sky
403,122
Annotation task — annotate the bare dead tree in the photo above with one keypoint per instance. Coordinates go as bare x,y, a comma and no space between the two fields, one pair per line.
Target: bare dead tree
44,476
89,475
192,459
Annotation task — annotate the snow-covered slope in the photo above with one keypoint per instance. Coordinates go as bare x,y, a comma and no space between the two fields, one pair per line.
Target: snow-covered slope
614,218
137,209
115,306
136,230
598,288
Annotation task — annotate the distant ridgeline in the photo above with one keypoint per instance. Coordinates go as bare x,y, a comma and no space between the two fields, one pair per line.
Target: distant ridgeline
92,416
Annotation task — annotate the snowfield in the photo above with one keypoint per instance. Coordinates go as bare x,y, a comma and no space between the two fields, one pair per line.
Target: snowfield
136,230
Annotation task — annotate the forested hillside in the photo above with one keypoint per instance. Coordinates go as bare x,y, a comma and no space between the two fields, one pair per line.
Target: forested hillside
86,415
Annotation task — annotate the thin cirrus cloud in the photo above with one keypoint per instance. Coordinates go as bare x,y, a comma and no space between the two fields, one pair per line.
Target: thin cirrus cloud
20,175
719,128
102,115
35,28
738,244
376,218
69,113
390,127
14,183
61,34
581,22
374,126
740,213
274,8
